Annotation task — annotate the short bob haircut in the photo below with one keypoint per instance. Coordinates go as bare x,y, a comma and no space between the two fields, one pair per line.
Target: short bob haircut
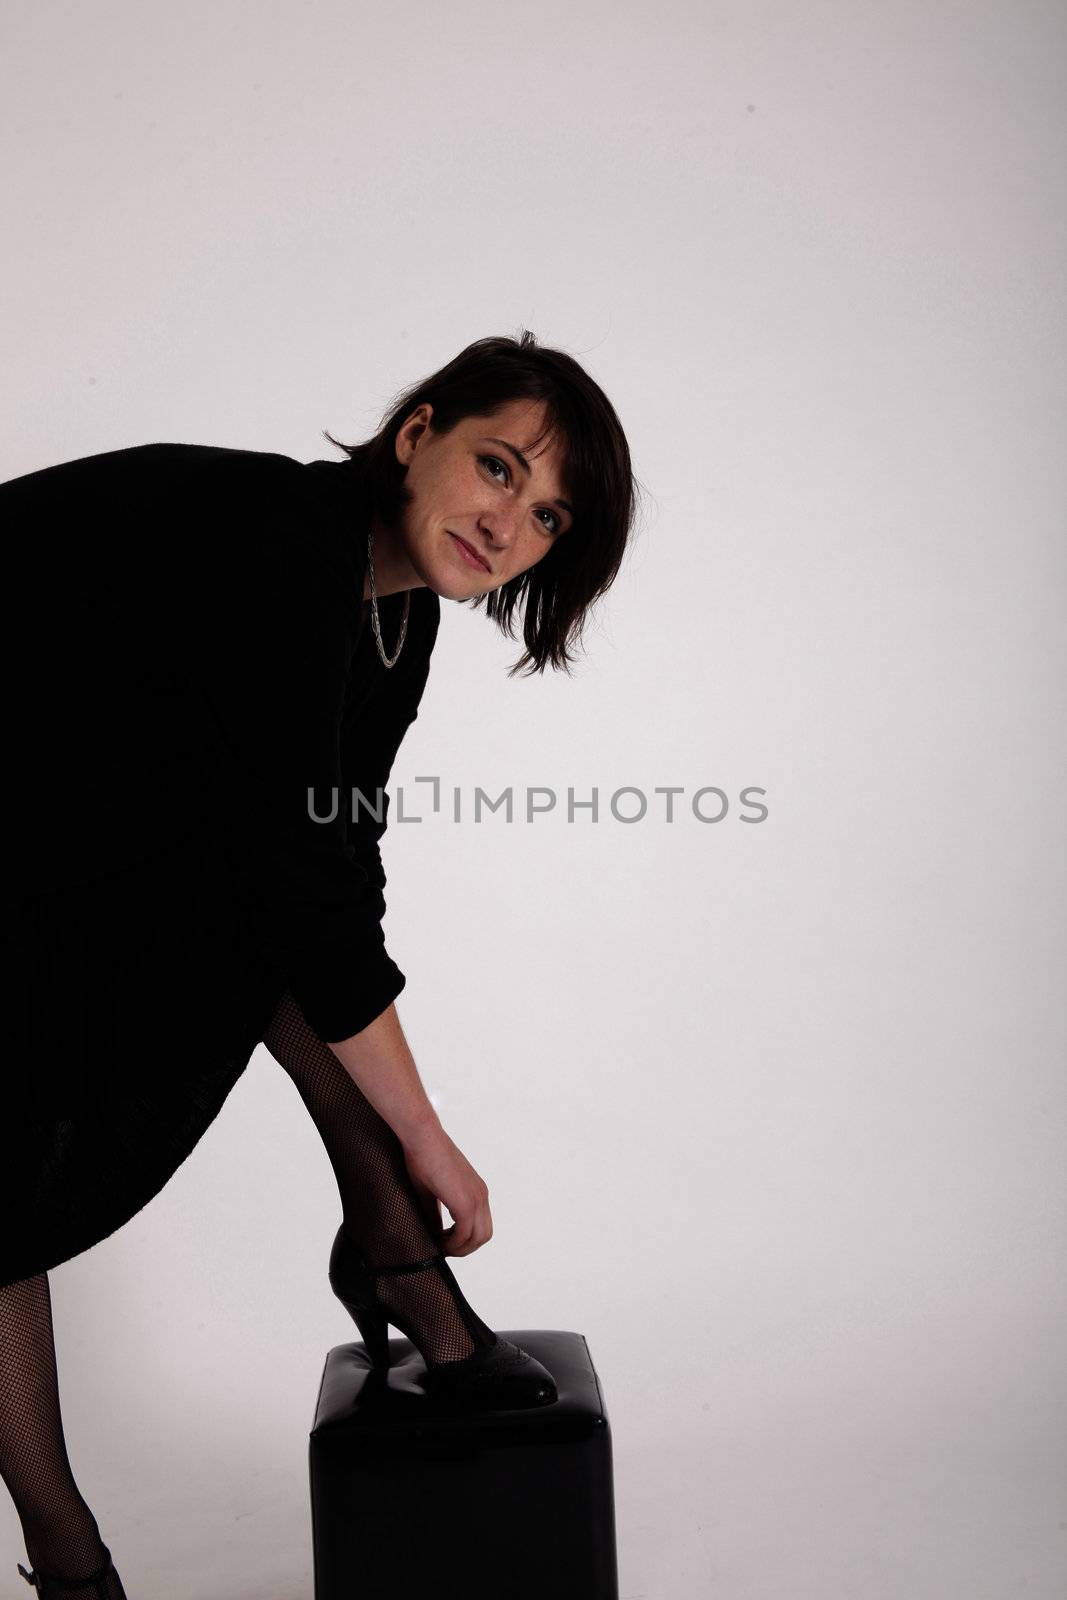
584,561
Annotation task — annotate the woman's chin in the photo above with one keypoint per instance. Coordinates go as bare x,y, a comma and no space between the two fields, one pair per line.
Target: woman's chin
457,592
452,585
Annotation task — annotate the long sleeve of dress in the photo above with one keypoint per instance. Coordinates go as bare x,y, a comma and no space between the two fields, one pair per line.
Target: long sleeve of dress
264,638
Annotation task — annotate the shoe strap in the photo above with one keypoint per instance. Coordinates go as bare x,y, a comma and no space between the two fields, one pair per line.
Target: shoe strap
39,1579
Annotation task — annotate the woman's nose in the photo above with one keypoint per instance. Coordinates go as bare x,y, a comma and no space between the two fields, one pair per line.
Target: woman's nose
500,527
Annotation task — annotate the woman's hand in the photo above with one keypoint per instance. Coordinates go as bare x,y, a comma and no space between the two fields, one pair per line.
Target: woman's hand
442,1174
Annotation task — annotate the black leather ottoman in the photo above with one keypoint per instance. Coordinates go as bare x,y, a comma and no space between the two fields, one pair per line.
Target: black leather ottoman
411,1500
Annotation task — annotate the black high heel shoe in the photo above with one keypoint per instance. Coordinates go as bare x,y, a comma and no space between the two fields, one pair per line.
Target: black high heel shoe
105,1580
497,1374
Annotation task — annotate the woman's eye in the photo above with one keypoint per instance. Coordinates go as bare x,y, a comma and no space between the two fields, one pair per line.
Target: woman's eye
494,461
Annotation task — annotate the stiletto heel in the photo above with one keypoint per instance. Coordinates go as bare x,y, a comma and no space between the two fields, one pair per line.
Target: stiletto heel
372,1323
105,1581
498,1373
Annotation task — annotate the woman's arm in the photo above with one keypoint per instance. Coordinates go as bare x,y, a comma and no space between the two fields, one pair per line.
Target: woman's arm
379,1061
261,632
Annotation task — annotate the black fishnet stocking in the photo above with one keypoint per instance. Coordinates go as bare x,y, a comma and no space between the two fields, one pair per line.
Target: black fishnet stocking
61,1533
382,1214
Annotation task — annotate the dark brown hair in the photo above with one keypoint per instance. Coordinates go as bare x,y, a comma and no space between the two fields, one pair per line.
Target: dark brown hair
584,561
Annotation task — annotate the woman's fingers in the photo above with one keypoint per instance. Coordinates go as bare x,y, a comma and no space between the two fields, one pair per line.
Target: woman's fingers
436,1164
470,1232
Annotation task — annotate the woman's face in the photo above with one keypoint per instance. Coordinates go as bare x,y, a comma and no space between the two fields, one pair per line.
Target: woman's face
484,506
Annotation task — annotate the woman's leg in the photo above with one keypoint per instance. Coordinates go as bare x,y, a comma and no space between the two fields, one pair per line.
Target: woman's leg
382,1214
62,1537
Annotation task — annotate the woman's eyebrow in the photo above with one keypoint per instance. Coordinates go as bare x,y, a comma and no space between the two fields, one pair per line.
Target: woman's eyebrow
525,465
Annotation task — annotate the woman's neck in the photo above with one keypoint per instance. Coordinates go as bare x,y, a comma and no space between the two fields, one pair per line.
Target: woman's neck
393,571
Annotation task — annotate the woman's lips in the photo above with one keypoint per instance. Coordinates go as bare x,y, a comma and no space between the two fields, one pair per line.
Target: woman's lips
468,554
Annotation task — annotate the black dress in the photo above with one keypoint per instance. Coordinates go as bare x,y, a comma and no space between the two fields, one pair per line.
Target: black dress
194,695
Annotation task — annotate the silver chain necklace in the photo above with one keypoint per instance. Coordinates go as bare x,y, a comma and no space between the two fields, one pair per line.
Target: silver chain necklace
376,625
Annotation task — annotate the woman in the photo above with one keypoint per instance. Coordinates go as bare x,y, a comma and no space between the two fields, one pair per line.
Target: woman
217,654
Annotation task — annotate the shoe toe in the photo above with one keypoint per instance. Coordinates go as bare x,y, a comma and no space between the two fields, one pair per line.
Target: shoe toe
521,1378
534,1381
503,1376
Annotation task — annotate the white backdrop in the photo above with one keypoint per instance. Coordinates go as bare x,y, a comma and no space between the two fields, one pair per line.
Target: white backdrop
773,1114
